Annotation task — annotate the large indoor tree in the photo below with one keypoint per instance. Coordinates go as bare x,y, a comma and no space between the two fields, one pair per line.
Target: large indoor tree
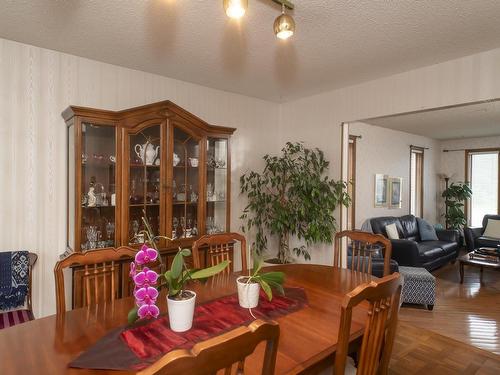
292,196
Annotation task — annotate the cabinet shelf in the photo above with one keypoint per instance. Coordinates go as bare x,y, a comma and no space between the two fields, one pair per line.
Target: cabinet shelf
136,165
143,204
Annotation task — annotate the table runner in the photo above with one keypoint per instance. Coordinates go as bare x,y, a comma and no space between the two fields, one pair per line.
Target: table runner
137,347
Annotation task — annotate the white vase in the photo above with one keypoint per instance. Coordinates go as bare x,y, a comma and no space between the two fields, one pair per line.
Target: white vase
248,293
181,312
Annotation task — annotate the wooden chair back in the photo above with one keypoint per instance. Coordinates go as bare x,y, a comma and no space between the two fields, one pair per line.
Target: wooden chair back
101,275
363,246
220,247
378,338
225,352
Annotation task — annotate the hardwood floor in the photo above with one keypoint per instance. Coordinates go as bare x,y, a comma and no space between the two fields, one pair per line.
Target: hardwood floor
420,351
468,312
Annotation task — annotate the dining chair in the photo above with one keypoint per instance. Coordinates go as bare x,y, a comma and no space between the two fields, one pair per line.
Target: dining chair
225,352
378,337
363,246
24,314
220,247
100,278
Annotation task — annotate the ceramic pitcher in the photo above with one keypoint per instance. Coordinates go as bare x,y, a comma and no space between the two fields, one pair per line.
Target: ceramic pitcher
147,152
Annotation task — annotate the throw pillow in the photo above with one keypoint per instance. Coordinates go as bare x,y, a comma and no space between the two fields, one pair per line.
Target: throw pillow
392,231
426,230
492,229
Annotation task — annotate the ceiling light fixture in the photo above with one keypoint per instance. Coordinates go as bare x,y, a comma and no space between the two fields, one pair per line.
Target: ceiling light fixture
235,8
284,25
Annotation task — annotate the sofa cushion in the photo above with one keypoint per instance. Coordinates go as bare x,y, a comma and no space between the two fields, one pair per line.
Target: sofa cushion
486,218
448,247
427,231
483,241
429,250
492,229
410,227
378,225
392,231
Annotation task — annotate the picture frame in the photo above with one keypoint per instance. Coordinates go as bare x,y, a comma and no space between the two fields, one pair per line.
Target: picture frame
381,190
395,192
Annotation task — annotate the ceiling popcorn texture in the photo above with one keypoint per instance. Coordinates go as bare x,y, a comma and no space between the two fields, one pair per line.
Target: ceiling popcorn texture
336,43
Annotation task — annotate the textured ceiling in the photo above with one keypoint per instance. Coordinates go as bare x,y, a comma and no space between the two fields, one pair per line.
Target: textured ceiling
337,43
468,121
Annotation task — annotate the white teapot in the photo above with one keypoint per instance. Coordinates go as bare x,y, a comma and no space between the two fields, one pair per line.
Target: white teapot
147,152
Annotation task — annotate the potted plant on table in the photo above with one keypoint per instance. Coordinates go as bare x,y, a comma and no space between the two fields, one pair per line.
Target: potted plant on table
249,286
180,301
292,196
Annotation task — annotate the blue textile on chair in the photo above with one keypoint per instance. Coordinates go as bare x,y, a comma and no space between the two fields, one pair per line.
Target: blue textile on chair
14,269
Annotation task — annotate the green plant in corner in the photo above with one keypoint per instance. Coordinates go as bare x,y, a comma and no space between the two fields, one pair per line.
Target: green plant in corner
292,196
454,198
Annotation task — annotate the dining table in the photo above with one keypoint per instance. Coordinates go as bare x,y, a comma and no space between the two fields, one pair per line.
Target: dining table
308,337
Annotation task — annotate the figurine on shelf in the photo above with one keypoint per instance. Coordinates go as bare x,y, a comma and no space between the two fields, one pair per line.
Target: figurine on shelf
91,197
176,159
194,197
194,229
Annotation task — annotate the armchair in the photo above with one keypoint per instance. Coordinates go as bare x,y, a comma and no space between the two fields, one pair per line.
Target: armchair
474,237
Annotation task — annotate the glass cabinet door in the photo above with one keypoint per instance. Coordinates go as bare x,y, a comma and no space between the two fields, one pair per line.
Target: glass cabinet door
144,183
185,185
98,182
216,188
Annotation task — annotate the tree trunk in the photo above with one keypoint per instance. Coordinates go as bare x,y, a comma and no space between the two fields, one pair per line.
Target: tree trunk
284,249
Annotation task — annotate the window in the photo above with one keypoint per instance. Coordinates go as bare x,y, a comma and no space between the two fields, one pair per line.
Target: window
351,177
416,181
483,174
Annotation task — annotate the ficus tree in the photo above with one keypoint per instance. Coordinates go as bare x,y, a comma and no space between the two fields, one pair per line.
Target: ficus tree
292,196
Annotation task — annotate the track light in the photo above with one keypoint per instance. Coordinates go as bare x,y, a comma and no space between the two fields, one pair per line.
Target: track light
284,25
235,8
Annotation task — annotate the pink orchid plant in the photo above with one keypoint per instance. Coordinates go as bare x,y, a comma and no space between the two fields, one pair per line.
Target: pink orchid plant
145,280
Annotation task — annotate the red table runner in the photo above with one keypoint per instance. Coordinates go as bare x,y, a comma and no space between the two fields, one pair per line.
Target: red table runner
138,347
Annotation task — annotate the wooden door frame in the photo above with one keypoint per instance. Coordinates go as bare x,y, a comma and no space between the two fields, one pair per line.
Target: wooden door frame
422,151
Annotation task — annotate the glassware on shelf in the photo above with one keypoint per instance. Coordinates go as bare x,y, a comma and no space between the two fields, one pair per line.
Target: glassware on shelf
210,192
135,230
194,229
175,223
220,163
92,236
110,230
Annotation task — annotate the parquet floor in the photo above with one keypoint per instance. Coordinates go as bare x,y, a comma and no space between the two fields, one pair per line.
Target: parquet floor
421,352
460,336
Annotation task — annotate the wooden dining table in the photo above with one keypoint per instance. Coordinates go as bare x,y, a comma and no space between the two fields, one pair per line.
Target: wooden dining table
308,337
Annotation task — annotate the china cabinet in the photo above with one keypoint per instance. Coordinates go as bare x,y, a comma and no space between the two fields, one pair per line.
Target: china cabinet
157,160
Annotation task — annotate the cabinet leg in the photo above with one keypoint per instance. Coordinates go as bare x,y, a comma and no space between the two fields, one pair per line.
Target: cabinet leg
481,275
461,273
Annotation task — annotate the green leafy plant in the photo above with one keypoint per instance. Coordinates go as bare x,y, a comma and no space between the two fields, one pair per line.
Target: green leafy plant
268,281
179,274
454,198
292,196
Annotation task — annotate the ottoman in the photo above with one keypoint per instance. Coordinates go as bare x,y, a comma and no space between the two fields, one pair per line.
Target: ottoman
419,286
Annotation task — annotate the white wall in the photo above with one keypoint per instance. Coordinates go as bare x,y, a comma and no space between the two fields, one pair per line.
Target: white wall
387,151
35,86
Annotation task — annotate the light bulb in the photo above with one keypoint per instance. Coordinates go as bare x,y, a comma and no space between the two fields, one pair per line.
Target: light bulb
235,8
284,26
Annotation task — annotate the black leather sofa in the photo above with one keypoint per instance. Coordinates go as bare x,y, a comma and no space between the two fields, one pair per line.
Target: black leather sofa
474,235
410,251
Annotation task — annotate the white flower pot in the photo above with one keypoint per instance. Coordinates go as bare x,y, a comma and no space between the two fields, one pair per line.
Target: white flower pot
180,313
248,293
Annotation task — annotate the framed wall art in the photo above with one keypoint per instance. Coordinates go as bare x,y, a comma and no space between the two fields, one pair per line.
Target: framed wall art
381,190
